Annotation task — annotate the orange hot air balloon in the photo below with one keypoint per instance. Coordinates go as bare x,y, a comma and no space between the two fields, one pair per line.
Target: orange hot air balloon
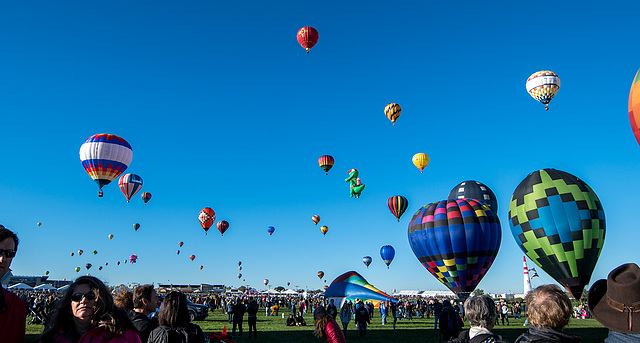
324,229
308,37
207,217
315,219
201,267
634,107
106,263
110,236
326,163
192,257
392,111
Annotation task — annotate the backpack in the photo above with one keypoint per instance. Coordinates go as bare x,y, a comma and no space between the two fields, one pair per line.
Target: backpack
451,324
486,338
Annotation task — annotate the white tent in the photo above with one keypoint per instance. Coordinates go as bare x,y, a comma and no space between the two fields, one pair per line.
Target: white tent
63,288
20,285
44,286
271,291
290,291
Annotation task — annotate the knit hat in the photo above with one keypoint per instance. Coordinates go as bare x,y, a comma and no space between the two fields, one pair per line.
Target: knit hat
615,302
319,312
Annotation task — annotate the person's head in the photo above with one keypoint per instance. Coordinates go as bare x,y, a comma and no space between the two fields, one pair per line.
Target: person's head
321,318
8,248
612,301
548,307
173,311
123,299
145,299
480,311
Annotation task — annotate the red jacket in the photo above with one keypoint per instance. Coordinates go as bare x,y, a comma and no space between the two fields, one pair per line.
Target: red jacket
99,335
13,321
333,333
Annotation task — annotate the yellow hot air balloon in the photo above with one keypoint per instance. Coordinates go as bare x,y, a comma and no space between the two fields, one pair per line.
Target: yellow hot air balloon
324,229
392,111
110,236
420,160
77,269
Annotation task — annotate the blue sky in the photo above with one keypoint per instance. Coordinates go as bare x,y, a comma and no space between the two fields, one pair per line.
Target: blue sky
224,109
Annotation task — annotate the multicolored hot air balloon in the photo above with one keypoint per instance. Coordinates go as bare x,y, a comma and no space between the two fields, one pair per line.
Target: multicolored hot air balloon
271,230
543,86
315,219
77,269
387,253
367,260
38,223
222,226
324,229
180,244
201,267
634,106
207,217
99,267
136,226
457,241
80,252
266,281
420,160
133,258
130,184
104,157
71,254
559,222
146,196
475,190
326,163
308,37
320,274
239,267
110,236
192,257
352,286
392,111
239,275
397,205
325,288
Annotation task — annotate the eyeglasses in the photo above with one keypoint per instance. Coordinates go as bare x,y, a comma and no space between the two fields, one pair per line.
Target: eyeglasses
78,297
8,253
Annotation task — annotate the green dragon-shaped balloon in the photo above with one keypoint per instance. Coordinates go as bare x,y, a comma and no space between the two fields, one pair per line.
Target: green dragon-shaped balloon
356,185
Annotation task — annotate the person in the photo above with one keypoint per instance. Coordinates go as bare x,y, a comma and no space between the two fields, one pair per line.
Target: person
145,302
123,299
238,316
291,321
13,311
332,310
345,316
252,318
299,320
383,312
87,313
326,327
173,318
450,322
394,313
481,313
548,310
437,308
362,318
615,303
504,312
229,310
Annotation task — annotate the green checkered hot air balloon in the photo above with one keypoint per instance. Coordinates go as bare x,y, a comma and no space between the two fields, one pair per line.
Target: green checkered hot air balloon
558,221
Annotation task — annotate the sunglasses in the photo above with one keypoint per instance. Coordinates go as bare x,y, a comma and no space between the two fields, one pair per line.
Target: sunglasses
8,253
78,297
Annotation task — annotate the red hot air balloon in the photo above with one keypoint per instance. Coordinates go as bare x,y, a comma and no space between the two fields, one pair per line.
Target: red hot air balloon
192,257
180,244
207,217
308,37
326,163
222,225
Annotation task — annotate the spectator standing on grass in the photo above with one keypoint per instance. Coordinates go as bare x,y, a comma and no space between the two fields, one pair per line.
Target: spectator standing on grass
175,326
252,318
482,316
145,302
332,310
437,308
362,318
549,311
615,303
345,316
394,313
450,322
238,316
13,311
504,309
383,312
326,327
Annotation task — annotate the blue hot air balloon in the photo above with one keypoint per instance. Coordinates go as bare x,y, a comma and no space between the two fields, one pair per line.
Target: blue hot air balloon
367,260
387,253
271,230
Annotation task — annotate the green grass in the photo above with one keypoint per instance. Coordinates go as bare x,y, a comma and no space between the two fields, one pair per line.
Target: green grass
272,329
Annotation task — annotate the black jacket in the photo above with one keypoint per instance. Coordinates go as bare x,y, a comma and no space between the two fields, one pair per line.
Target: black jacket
540,335
189,334
143,324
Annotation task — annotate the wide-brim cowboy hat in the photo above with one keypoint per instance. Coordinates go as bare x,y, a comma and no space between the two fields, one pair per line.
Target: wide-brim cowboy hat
615,302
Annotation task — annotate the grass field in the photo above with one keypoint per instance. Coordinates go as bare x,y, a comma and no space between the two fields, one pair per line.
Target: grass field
272,329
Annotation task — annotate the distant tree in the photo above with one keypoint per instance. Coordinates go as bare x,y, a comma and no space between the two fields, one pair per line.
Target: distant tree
279,288
242,289
478,292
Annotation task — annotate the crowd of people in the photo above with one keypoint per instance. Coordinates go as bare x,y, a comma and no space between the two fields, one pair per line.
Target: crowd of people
88,312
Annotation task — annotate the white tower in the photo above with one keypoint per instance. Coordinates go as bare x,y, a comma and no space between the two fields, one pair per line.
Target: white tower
527,282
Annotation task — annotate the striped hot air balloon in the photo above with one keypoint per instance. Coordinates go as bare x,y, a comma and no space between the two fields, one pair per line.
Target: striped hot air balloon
392,111
130,184
104,157
326,163
397,205
543,86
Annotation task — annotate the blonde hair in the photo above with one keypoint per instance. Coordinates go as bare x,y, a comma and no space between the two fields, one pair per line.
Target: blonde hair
548,307
320,324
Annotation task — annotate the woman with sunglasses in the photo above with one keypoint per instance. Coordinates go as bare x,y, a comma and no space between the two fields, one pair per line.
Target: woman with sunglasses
175,323
86,313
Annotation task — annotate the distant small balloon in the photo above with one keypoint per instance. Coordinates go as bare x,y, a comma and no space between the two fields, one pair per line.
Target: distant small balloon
239,263
266,282
271,230
106,263
99,267
88,266
192,257
118,262
39,224
240,268
201,267
315,219
80,252
133,258
136,226
146,196
324,230
180,244
77,269
178,253
71,254
46,273
239,275
222,226
110,236
95,252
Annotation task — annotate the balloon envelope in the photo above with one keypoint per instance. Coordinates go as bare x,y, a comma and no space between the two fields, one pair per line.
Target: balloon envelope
475,190
387,253
192,257
397,205
271,230
133,258
266,282
207,217
104,157
180,244
392,111
367,260
130,184
315,219
543,86
136,226
222,226
324,229
352,286
634,107
559,222
146,196
239,275
457,241
420,160
110,236
308,37
320,274
326,163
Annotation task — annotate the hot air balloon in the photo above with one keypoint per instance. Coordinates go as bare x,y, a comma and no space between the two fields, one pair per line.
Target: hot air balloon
239,275
325,287
315,219
558,221
207,217
38,223
99,267
146,196
387,253
130,184
88,266
457,241
392,111
324,229
308,37
326,163
192,257
133,258
543,86
355,184
136,226
222,225
178,252
180,244
201,267
367,260
239,263
77,269
71,254
46,273
118,263
266,282
475,190
106,263
80,252
95,252
104,157
240,268
634,107
397,204
288,283
420,160
320,274
271,230
110,236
